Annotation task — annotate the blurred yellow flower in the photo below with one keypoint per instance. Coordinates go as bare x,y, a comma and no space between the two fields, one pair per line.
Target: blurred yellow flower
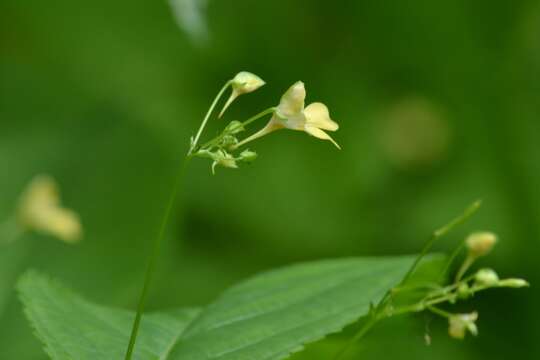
40,210
291,113
480,243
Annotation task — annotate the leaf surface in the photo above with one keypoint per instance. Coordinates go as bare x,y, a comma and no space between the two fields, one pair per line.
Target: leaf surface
275,314
74,329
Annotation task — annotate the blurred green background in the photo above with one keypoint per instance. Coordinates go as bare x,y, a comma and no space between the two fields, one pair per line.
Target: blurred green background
438,103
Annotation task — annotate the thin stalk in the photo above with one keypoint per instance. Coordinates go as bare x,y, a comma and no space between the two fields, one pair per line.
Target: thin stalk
150,269
439,233
358,336
216,140
451,260
207,116
469,260
438,311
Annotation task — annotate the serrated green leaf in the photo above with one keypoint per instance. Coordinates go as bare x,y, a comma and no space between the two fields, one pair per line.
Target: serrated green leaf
73,328
275,314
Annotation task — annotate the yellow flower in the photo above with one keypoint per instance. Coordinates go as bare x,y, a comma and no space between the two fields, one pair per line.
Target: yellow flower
244,82
40,210
291,113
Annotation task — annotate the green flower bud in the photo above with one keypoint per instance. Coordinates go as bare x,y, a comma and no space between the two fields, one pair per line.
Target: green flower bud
513,283
228,140
223,159
486,277
234,127
248,156
463,291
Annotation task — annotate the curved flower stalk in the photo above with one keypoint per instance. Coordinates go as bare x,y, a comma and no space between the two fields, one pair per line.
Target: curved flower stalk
291,113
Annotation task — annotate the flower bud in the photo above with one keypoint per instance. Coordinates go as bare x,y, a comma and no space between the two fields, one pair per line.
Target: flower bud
248,156
224,159
513,283
234,127
463,291
486,277
459,324
244,82
228,140
480,243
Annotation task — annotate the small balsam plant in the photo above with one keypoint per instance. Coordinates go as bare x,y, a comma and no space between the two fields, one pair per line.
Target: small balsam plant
274,314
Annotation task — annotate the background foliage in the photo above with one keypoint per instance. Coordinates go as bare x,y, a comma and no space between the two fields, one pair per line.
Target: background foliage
437,102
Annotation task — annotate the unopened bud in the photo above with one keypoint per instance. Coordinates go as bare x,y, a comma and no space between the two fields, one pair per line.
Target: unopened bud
228,140
513,283
244,82
234,127
248,156
463,291
480,243
486,277
224,159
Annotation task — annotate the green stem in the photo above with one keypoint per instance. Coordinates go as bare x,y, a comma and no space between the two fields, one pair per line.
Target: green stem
451,260
259,115
439,233
216,140
153,259
438,311
469,260
358,336
207,116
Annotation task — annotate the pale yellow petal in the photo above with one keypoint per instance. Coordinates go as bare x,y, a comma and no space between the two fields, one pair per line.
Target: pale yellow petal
292,102
317,115
318,133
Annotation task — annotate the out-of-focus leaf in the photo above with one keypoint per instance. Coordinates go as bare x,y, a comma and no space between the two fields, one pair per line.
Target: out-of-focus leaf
73,328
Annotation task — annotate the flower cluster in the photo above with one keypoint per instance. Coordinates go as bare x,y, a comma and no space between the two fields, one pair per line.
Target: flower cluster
464,286
291,113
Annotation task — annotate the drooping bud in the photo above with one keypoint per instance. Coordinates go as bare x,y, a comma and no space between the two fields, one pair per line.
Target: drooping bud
248,156
224,159
459,324
486,277
513,283
480,243
244,82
